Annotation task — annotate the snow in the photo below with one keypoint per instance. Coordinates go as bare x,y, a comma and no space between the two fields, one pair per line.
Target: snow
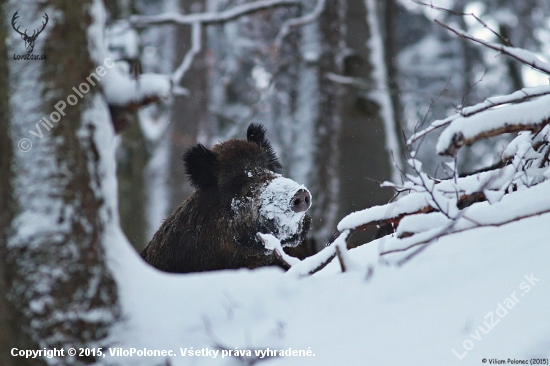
525,203
419,223
414,314
121,90
123,41
474,292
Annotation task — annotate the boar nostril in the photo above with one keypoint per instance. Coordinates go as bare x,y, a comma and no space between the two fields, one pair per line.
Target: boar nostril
300,201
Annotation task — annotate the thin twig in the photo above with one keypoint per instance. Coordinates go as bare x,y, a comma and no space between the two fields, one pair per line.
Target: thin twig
506,50
504,40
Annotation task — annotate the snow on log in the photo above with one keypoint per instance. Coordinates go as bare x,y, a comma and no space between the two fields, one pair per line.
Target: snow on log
513,207
488,185
515,97
388,213
530,115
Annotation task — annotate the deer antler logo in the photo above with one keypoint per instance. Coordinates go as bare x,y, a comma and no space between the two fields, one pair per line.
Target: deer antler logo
29,40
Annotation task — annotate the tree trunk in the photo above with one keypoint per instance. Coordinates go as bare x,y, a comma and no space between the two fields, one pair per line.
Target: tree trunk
364,159
56,278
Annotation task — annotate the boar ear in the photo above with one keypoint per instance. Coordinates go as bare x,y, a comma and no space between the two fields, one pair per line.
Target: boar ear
200,166
256,134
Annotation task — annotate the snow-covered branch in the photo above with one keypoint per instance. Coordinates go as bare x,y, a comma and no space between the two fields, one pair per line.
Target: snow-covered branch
300,21
315,263
436,208
198,20
312,264
513,207
210,17
272,243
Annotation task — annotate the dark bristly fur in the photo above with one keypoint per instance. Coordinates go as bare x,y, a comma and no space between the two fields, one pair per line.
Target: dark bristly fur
205,232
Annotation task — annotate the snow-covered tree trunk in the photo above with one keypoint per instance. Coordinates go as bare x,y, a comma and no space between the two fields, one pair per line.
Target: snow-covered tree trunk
60,193
8,337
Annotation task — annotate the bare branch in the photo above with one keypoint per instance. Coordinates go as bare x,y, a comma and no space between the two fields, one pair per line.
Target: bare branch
504,41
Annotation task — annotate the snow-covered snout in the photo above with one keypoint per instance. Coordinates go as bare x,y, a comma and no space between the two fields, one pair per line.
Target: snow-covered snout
283,206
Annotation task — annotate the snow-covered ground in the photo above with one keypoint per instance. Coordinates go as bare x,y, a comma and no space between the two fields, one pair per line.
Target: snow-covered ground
444,299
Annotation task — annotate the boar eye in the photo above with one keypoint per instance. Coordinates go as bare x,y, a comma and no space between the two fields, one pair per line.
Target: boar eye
239,182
